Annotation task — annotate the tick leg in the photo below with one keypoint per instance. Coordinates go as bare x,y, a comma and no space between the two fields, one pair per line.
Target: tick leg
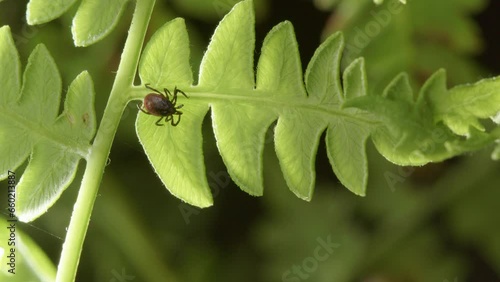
157,122
151,88
176,123
174,100
167,93
171,119
180,91
139,106
178,120
180,106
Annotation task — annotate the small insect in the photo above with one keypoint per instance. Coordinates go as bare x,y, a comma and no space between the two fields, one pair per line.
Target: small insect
161,105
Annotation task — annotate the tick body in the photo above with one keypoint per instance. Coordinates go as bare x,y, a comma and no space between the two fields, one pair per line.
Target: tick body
163,105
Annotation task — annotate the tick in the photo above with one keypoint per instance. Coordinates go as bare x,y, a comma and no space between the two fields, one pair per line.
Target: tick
163,105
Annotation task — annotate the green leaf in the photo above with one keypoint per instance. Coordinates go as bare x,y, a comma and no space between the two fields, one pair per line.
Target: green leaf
95,19
164,58
346,138
461,107
243,112
230,51
228,65
399,89
30,125
280,72
405,131
42,11
10,73
413,133
323,84
175,153
279,53
323,73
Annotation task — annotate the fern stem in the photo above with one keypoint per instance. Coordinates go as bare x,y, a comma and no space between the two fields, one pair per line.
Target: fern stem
96,162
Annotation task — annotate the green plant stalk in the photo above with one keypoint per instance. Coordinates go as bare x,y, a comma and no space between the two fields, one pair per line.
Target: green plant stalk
96,161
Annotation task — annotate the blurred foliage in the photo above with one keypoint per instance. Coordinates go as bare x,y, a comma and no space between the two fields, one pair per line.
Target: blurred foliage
20,257
417,38
437,223
213,11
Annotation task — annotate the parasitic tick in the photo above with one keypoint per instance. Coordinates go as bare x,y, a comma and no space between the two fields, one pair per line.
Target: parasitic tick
161,105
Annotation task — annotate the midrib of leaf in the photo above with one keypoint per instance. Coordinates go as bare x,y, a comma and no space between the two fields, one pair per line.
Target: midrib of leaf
278,101
79,148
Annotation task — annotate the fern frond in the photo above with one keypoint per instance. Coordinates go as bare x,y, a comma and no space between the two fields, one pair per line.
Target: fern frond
440,124
242,109
30,126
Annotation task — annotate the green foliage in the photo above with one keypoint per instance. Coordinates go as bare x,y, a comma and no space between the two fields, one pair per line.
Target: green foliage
438,124
412,38
432,128
461,107
42,11
30,126
176,155
242,113
411,133
93,21
86,29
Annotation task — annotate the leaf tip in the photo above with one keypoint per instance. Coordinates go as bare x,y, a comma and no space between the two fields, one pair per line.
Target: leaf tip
5,28
28,215
200,203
